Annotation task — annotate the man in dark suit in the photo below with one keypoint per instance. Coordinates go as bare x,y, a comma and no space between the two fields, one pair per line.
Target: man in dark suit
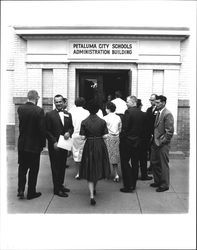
58,122
130,140
30,144
163,132
144,147
151,114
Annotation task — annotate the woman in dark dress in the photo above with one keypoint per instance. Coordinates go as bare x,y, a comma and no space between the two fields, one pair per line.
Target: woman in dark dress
95,160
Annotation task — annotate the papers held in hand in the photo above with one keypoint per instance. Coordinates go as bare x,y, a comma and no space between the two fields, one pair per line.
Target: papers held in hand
65,144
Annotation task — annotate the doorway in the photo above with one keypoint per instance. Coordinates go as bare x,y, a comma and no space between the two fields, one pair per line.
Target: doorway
98,84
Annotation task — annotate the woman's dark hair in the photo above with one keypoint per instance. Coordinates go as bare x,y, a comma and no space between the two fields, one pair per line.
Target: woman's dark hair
111,106
80,102
92,107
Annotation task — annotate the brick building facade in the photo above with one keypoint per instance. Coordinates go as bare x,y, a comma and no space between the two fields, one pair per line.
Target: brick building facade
138,61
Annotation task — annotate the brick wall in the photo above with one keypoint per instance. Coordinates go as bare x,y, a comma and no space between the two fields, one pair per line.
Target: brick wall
183,126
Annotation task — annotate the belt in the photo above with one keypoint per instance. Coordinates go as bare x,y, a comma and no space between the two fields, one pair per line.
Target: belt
114,134
94,137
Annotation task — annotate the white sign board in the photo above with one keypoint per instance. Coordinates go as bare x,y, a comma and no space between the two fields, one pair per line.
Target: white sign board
95,49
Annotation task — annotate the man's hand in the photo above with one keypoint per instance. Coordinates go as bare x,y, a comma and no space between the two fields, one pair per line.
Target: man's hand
55,146
66,135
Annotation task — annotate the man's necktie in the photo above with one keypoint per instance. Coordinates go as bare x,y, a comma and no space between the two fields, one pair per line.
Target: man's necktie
157,118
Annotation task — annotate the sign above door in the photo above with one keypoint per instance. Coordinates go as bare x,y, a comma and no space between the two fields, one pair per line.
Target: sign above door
106,50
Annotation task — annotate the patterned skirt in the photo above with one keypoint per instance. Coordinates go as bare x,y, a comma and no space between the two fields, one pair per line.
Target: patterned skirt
112,143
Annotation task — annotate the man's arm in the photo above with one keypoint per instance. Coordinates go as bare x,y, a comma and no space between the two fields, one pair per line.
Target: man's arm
48,125
70,129
169,128
42,130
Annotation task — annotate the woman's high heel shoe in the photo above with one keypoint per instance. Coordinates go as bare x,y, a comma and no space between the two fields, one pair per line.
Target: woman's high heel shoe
92,202
116,179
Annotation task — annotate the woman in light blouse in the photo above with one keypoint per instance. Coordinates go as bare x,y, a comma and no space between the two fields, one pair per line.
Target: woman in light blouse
114,126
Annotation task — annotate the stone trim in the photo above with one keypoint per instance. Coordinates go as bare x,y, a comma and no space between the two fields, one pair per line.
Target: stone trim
19,100
39,65
180,32
160,66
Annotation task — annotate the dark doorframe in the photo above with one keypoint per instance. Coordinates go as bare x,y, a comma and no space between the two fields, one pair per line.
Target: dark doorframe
98,84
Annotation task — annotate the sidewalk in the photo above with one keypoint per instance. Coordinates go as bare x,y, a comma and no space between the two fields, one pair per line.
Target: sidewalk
109,199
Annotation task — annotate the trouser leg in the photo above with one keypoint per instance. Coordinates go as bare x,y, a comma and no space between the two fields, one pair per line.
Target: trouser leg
62,165
164,161
33,172
135,165
143,161
54,169
22,170
156,165
125,165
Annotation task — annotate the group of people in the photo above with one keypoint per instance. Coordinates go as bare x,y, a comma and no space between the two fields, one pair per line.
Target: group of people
123,135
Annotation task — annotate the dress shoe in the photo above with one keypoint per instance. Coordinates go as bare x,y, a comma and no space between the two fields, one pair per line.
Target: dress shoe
162,189
126,190
154,185
64,189
146,178
92,202
21,195
61,194
34,195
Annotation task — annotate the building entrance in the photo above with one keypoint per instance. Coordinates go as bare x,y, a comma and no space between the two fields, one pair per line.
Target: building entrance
101,83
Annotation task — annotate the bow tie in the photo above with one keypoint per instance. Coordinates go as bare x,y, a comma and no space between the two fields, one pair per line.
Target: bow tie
60,110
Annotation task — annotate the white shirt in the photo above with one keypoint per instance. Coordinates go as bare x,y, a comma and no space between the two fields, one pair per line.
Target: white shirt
78,115
114,123
100,114
121,105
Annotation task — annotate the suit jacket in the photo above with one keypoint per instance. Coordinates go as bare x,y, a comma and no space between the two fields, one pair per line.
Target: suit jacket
55,128
151,114
31,128
164,128
134,125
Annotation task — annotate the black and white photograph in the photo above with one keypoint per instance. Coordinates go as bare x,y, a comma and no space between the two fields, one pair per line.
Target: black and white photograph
98,125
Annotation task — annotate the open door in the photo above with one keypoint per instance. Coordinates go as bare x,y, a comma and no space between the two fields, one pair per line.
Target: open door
91,87
98,84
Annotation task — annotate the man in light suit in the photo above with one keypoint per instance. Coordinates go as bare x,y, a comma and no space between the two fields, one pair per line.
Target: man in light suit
163,132
58,122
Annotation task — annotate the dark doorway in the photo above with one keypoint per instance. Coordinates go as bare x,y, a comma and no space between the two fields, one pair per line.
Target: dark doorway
101,83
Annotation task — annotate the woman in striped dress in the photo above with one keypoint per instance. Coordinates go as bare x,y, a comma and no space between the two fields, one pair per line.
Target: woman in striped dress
114,126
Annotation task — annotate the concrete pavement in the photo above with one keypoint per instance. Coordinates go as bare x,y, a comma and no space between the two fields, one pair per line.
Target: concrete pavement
109,199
